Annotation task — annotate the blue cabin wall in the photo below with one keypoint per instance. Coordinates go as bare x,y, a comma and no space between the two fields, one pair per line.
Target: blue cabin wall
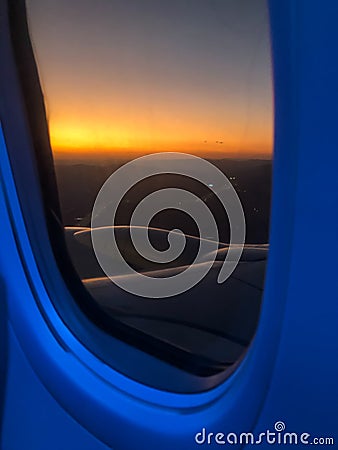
303,390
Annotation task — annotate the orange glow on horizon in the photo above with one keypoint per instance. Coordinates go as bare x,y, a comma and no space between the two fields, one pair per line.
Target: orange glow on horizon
88,136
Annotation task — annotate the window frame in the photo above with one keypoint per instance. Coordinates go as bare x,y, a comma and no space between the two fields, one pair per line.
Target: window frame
25,127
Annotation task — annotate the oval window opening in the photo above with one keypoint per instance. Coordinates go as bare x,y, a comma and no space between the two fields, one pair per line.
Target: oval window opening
161,124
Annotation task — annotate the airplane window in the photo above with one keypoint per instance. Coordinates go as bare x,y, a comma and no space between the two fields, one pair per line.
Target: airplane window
160,117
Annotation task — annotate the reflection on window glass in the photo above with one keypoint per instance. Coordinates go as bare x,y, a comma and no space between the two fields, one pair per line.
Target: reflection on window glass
127,78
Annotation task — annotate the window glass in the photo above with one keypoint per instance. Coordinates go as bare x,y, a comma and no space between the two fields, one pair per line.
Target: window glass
161,121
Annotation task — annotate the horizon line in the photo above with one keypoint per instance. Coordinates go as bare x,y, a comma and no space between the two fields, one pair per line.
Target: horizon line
84,154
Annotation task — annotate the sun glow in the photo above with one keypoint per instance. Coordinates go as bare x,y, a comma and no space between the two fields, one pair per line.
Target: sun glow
88,135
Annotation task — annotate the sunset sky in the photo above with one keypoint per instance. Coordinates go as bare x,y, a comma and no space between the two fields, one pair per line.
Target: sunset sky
155,75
